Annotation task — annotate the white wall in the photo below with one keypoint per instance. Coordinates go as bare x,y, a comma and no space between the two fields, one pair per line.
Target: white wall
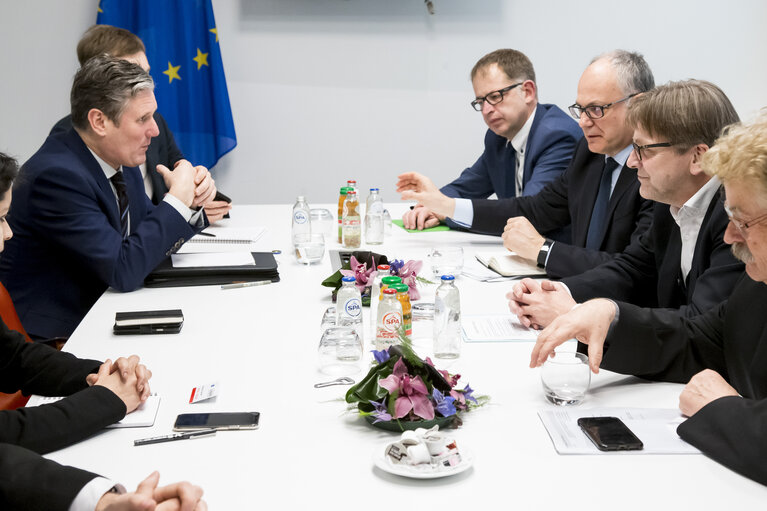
325,90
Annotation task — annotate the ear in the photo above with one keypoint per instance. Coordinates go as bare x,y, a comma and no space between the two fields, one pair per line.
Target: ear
530,91
97,121
697,155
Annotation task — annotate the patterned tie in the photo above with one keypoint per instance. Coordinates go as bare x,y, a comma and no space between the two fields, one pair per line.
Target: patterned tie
599,213
118,181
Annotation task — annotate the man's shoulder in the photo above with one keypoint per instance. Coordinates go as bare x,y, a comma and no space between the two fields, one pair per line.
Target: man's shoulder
551,118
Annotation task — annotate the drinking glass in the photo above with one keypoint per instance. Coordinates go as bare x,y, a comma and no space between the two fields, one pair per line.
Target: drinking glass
446,261
566,378
340,351
323,222
309,248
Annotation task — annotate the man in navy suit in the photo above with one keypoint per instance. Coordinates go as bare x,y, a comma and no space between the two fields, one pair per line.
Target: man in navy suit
527,144
80,214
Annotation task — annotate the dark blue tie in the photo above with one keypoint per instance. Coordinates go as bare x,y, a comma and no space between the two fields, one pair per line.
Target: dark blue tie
118,181
599,213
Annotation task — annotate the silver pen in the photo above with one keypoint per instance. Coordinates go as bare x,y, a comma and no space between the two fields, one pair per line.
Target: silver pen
246,284
175,436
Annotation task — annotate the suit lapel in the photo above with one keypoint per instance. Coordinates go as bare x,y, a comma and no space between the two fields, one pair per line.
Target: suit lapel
527,172
591,178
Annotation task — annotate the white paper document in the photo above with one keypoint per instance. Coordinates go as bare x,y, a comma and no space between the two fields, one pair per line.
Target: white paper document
141,417
655,427
496,328
509,264
212,259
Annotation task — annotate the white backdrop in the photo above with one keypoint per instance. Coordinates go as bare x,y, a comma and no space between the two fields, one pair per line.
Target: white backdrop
325,90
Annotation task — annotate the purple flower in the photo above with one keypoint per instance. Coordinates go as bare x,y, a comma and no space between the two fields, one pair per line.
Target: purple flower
444,405
408,272
363,276
394,266
381,356
467,392
412,393
380,413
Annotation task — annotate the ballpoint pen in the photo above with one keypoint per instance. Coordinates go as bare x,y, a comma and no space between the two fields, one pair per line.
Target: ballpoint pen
208,234
246,284
176,436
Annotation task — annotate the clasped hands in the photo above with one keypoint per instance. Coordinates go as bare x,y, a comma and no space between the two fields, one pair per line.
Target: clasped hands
126,377
148,496
195,187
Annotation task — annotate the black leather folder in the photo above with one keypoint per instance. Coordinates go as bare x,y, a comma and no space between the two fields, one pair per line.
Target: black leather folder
165,275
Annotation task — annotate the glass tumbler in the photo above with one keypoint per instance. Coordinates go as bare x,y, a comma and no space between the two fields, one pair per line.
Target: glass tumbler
340,351
566,378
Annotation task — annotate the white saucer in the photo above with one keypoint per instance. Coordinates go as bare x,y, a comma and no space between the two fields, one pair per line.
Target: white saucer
420,472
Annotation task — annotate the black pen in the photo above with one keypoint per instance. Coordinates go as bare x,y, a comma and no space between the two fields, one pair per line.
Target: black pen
175,436
208,234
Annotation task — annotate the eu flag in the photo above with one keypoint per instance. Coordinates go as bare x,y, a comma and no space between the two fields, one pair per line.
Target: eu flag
181,42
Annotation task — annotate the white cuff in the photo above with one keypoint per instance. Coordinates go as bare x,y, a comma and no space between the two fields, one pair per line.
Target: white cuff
90,494
464,213
190,215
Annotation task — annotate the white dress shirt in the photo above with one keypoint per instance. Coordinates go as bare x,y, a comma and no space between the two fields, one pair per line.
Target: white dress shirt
689,219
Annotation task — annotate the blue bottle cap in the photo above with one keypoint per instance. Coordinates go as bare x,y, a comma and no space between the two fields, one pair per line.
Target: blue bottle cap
374,189
448,277
348,279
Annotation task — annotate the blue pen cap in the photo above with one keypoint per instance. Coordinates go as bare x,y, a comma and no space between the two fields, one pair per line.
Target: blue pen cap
448,277
348,279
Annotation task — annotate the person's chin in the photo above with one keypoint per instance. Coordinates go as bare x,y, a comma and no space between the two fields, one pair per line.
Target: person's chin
596,144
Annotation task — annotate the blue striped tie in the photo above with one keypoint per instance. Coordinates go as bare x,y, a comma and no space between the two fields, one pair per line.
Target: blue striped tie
118,181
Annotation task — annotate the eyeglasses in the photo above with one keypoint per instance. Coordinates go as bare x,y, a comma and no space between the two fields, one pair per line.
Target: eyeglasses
493,98
638,148
741,225
595,111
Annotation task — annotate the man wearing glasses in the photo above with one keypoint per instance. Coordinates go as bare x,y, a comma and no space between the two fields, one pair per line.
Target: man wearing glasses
527,144
681,261
721,353
597,195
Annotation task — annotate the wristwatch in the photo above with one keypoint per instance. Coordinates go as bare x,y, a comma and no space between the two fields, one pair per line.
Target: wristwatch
544,252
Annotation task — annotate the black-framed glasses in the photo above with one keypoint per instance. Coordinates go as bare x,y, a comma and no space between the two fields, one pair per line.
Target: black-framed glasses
493,98
595,111
740,225
639,148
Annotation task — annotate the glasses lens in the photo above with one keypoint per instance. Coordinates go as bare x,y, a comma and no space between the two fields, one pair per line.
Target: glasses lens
638,151
575,111
477,105
594,112
494,98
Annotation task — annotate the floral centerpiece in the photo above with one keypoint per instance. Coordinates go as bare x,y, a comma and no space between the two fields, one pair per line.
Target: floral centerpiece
363,267
402,391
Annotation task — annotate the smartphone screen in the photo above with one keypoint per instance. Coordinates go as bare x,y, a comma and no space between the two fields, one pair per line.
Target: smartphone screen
610,434
217,420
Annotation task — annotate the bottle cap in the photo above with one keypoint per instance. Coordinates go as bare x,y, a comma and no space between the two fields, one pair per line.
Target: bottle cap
389,291
345,190
400,288
448,277
351,192
390,280
383,267
374,189
348,279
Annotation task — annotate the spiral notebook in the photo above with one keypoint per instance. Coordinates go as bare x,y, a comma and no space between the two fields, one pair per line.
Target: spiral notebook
141,417
228,236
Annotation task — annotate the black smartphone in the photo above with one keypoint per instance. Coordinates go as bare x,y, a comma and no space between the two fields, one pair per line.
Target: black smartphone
217,420
610,434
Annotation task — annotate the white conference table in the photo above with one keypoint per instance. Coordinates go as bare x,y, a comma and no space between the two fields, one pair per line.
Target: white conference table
260,345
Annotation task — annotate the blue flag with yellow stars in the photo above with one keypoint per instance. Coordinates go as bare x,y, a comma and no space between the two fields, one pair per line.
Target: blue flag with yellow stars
181,42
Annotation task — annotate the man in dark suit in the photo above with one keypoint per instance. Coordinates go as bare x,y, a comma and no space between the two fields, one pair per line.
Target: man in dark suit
123,44
681,261
527,144
81,217
721,353
98,395
597,195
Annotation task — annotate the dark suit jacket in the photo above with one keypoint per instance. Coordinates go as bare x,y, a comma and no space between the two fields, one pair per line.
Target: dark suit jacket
648,272
549,148
67,246
28,481
730,339
162,150
570,199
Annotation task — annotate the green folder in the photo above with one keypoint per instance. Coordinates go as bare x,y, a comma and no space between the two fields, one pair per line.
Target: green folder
441,227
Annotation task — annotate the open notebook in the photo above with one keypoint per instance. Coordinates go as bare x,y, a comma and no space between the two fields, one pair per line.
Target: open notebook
509,264
141,417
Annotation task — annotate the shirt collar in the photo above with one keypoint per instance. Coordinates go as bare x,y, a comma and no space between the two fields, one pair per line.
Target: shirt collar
105,167
519,141
698,203
622,156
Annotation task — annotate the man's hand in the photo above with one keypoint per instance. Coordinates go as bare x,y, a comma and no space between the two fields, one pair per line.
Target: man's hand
128,379
420,218
179,496
588,323
216,209
537,304
704,387
180,181
414,186
205,190
520,236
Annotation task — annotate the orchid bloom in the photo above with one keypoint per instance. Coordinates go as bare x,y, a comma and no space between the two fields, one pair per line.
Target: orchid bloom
444,404
361,273
412,393
408,272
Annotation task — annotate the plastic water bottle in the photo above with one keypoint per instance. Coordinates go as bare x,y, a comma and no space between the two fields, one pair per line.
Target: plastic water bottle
447,319
389,320
374,220
375,296
349,306
302,222
352,226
